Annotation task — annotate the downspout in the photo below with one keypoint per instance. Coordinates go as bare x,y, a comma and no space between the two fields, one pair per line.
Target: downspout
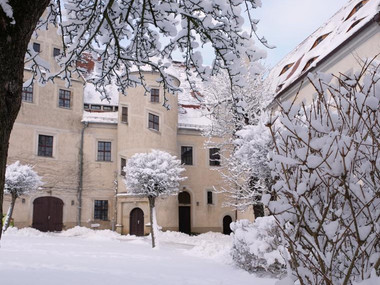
80,174
116,190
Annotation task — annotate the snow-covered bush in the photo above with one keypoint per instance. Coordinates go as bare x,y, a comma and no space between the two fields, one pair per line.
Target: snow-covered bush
19,180
257,246
327,159
151,175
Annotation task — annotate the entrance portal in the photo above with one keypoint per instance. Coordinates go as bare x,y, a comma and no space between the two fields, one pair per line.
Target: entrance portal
48,214
136,222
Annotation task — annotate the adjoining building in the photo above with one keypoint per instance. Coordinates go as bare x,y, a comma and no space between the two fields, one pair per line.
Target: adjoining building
342,45
79,144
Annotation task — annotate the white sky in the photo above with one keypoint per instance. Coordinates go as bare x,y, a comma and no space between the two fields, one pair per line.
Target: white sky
286,23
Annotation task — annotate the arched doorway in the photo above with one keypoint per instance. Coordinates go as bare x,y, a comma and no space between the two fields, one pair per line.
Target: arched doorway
136,222
227,220
48,214
184,210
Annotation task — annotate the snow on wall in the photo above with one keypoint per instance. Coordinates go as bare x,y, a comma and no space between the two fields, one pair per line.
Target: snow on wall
336,30
91,96
100,117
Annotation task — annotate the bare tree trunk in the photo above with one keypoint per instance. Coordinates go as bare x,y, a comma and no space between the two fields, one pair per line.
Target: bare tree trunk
152,201
14,39
10,212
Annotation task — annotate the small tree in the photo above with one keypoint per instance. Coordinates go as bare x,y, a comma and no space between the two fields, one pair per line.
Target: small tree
327,158
19,180
152,175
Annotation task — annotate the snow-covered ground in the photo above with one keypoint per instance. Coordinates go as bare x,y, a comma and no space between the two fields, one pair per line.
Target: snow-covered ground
83,256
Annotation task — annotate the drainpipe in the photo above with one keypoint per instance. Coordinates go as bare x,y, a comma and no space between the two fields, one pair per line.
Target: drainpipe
116,190
80,174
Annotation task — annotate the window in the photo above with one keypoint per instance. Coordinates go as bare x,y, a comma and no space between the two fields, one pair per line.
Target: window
107,108
45,146
214,156
123,163
310,61
96,107
154,122
116,108
86,106
354,24
124,115
286,68
104,151
64,98
101,210
319,40
356,8
209,198
154,95
56,52
27,94
36,47
187,155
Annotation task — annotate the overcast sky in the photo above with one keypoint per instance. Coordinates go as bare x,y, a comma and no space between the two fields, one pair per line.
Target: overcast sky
286,23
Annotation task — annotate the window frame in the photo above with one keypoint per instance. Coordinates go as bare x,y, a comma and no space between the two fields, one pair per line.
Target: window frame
104,154
107,108
36,47
213,161
124,116
155,95
153,122
55,54
101,210
63,100
185,156
123,163
45,149
26,94
210,197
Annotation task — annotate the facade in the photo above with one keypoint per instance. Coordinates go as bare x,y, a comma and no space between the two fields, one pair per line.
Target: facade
341,45
79,145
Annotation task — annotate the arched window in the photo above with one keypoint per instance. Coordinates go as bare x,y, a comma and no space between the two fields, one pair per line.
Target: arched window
319,40
354,24
286,68
310,61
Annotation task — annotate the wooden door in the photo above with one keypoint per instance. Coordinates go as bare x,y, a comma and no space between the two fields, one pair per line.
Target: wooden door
184,225
136,222
227,220
48,214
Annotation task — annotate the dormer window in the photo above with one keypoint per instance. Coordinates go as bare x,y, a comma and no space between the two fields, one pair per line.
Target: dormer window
356,8
319,40
354,24
286,68
310,61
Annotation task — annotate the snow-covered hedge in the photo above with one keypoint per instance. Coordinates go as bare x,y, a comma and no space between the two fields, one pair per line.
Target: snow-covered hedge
256,246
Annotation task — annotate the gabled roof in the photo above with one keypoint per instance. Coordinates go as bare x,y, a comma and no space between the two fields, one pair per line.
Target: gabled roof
308,54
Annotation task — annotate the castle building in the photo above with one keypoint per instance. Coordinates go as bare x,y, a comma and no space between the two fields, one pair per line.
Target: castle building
79,145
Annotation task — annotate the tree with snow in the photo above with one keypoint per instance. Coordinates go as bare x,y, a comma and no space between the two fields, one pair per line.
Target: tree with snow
236,115
19,180
151,175
119,35
327,159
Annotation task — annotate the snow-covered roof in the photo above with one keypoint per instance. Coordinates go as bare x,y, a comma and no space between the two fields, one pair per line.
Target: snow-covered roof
343,24
100,117
91,96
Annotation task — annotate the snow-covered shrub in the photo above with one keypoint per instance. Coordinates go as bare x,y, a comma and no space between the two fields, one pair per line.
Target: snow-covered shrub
257,246
19,180
327,160
151,175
